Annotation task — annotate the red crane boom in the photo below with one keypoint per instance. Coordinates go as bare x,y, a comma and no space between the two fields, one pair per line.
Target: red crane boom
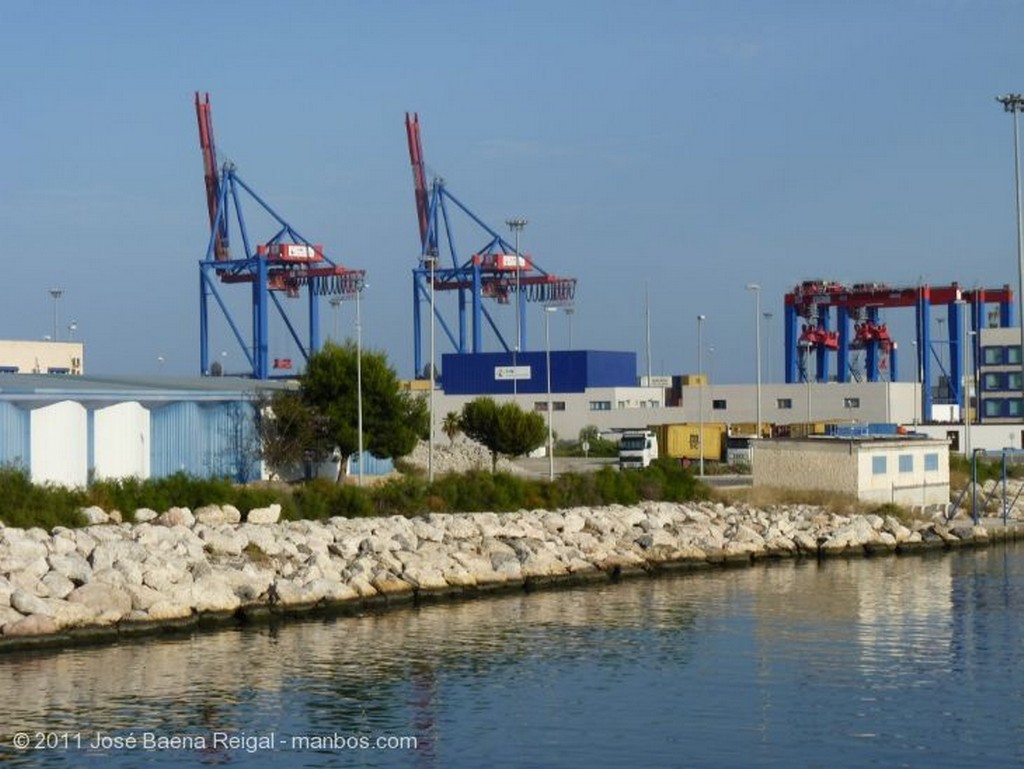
419,177
206,143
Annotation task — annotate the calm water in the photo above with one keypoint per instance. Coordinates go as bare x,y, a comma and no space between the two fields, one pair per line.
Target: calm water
893,662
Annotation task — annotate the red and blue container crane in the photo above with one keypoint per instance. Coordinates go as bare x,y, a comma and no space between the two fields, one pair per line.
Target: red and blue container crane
285,264
812,334
493,270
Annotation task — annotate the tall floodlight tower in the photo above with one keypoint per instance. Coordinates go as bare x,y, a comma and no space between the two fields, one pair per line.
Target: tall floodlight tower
1014,103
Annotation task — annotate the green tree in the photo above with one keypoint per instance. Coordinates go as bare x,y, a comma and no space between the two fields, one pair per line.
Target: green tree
393,421
291,431
504,430
452,425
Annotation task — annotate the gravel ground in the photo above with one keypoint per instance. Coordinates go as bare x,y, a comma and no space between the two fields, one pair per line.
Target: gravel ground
457,456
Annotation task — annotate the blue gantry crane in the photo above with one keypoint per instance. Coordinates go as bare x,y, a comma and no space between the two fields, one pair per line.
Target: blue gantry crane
286,264
494,270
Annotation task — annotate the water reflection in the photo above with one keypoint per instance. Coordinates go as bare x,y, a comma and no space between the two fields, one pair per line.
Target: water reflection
744,665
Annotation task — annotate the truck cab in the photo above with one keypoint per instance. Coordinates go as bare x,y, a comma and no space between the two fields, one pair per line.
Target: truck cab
637,449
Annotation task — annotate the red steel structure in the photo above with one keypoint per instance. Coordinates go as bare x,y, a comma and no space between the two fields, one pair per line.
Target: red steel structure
813,333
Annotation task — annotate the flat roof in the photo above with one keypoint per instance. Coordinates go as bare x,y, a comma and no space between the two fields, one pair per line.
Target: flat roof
55,387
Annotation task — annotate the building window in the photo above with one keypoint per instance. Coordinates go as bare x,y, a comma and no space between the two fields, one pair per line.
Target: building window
1013,355
784,403
58,370
906,463
8,369
993,381
851,403
1013,407
1013,380
878,466
623,404
543,405
993,356
718,405
931,463
600,405
992,407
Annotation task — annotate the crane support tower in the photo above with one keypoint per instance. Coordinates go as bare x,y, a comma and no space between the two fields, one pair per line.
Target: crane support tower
286,264
494,270
812,333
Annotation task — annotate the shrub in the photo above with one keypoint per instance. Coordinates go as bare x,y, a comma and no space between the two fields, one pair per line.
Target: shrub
24,504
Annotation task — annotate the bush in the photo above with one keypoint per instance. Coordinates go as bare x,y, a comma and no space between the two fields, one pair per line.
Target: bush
24,504
182,490
320,499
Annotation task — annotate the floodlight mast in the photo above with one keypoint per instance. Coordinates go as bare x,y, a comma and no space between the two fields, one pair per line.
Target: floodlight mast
1014,103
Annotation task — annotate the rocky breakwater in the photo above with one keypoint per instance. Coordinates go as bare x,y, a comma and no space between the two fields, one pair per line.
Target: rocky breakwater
180,567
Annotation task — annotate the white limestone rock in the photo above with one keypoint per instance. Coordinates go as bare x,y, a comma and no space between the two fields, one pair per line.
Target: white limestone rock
145,515
109,604
211,515
94,516
57,585
264,515
212,593
72,566
176,516
32,625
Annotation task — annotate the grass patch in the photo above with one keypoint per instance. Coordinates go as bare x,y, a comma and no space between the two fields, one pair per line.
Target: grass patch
765,497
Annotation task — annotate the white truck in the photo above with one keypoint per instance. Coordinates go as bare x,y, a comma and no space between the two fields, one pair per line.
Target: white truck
637,448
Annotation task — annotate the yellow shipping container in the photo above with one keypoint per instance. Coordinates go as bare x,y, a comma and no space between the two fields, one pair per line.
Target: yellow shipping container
692,380
682,441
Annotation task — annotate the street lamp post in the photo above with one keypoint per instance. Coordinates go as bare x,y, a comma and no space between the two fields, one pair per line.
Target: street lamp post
359,376
756,288
768,343
700,390
430,437
516,224
547,366
72,328
1014,103
56,293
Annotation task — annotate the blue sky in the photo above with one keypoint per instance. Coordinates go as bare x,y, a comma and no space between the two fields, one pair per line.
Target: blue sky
691,147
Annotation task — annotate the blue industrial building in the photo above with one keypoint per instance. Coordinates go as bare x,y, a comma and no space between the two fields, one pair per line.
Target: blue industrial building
572,371
66,430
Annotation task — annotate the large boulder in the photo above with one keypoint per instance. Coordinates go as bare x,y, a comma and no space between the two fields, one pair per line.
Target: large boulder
264,515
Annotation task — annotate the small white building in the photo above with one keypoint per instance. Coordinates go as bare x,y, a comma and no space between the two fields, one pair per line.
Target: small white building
903,470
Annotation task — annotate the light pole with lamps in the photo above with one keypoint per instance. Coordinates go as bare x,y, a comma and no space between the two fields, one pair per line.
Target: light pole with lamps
756,288
700,390
430,437
547,365
359,375
1014,102
72,328
56,293
516,224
